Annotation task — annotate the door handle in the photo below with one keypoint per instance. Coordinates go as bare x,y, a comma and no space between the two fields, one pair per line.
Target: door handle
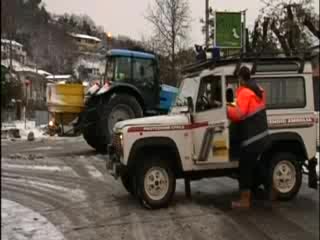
219,129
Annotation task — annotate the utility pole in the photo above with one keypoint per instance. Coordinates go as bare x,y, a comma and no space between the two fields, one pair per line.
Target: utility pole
244,33
207,24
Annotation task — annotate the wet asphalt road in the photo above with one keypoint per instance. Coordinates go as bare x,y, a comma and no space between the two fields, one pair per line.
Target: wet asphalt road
64,181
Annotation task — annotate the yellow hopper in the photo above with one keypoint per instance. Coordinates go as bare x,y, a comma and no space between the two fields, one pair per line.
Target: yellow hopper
65,102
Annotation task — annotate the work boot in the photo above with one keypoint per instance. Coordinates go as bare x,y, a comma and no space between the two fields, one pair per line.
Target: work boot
244,202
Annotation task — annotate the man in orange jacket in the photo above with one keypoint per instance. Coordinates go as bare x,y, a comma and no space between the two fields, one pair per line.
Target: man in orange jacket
249,116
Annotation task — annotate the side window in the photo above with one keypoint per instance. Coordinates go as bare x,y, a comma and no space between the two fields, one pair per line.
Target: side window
122,69
284,92
143,72
210,94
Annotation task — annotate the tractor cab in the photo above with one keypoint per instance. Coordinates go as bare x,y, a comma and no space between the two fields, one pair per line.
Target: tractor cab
138,70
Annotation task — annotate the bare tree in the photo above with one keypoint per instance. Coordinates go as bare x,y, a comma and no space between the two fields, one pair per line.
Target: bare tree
291,22
170,19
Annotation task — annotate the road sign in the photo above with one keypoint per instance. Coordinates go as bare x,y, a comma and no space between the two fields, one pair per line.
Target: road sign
228,30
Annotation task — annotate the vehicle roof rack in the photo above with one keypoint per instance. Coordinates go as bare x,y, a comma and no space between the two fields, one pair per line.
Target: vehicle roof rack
257,61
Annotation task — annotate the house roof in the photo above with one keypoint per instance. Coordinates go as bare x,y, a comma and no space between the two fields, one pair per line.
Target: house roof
59,77
83,36
18,67
14,43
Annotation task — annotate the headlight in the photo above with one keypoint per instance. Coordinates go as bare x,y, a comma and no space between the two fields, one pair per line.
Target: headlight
117,142
51,123
121,139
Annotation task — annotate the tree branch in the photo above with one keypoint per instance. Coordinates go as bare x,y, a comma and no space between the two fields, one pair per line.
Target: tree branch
290,28
281,39
255,35
309,24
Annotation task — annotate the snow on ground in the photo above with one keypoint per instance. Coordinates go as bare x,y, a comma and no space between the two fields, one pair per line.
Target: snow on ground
25,128
19,222
94,172
40,167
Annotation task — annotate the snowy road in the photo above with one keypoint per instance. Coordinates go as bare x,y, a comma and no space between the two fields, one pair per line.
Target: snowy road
58,187
23,223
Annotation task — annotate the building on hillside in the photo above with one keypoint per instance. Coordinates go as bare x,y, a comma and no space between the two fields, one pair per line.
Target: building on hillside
33,85
86,43
90,67
18,53
90,63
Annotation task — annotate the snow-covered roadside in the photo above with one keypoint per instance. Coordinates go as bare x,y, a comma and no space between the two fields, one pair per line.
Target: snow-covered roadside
25,128
19,222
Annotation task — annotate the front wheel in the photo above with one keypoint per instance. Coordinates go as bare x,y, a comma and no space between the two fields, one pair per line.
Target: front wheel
156,183
285,176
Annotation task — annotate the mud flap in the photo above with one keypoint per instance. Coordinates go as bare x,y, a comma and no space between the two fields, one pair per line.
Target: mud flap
312,173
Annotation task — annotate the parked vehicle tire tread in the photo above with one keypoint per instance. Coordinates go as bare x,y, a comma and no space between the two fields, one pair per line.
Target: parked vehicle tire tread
97,134
278,157
157,161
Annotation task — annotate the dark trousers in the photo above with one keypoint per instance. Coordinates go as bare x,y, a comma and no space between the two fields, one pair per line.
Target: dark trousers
247,166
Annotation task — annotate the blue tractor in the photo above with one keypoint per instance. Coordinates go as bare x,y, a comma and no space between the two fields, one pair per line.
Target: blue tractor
131,89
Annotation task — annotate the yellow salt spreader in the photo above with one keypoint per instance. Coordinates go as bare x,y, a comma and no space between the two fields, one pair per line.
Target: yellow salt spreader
65,103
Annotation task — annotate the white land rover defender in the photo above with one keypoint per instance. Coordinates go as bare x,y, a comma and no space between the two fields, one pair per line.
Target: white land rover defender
196,140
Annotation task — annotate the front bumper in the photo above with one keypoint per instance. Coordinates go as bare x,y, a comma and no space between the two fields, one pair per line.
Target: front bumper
114,166
313,178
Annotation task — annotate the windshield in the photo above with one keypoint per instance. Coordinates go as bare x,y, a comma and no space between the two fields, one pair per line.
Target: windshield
188,88
118,69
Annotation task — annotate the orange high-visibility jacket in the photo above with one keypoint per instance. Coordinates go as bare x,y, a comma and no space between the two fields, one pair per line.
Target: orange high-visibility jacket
250,114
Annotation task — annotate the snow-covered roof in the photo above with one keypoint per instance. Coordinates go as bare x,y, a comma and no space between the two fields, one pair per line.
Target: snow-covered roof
45,73
83,36
67,76
14,43
18,67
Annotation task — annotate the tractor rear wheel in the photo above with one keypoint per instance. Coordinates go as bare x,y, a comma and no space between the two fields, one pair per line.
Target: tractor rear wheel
115,109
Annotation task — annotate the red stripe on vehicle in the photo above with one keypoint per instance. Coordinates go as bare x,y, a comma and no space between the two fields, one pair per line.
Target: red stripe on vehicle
168,128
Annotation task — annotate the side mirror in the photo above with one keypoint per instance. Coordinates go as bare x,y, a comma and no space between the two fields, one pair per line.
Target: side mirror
229,95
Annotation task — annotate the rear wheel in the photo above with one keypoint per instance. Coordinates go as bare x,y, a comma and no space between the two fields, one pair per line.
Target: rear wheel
156,183
108,112
90,126
285,176
118,108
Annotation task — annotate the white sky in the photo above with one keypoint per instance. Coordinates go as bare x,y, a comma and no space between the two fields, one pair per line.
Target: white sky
127,17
